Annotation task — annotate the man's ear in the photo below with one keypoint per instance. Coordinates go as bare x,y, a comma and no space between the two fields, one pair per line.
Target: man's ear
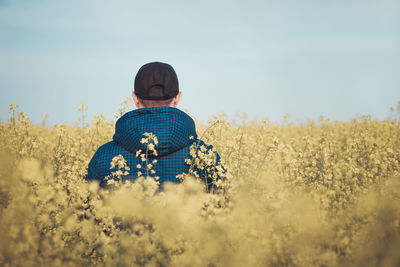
176,100
136,100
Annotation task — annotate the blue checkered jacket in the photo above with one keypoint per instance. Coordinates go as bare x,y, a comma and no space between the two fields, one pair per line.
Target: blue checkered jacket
175,132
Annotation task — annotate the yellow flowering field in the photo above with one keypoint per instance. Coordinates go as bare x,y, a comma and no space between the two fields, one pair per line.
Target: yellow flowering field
313,194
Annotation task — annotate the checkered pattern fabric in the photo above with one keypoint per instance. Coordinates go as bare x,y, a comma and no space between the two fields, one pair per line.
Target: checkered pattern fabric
175,132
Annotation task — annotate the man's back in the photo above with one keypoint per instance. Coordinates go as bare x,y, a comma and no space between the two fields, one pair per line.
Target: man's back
175,132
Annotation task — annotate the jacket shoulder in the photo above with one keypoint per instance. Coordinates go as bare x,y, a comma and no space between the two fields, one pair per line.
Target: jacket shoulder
108,151
100,162
109,148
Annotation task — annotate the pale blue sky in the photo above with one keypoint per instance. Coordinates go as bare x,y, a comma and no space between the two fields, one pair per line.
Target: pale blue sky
335,58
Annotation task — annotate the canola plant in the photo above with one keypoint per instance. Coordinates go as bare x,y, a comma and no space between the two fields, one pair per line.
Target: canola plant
313,194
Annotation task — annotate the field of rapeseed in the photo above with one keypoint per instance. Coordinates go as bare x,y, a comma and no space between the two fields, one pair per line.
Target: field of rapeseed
314,194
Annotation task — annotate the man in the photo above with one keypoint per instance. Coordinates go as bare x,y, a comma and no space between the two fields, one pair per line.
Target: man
156,139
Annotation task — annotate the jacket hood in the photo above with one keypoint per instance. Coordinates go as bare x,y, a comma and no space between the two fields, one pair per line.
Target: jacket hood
172,127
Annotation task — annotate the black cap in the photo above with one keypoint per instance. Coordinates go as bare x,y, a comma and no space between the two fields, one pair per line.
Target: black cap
156,74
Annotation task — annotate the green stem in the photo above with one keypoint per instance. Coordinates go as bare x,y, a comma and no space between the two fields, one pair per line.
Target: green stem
147,168
83,118
198,142
197,149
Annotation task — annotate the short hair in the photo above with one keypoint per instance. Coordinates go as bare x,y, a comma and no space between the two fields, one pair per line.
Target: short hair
156,90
